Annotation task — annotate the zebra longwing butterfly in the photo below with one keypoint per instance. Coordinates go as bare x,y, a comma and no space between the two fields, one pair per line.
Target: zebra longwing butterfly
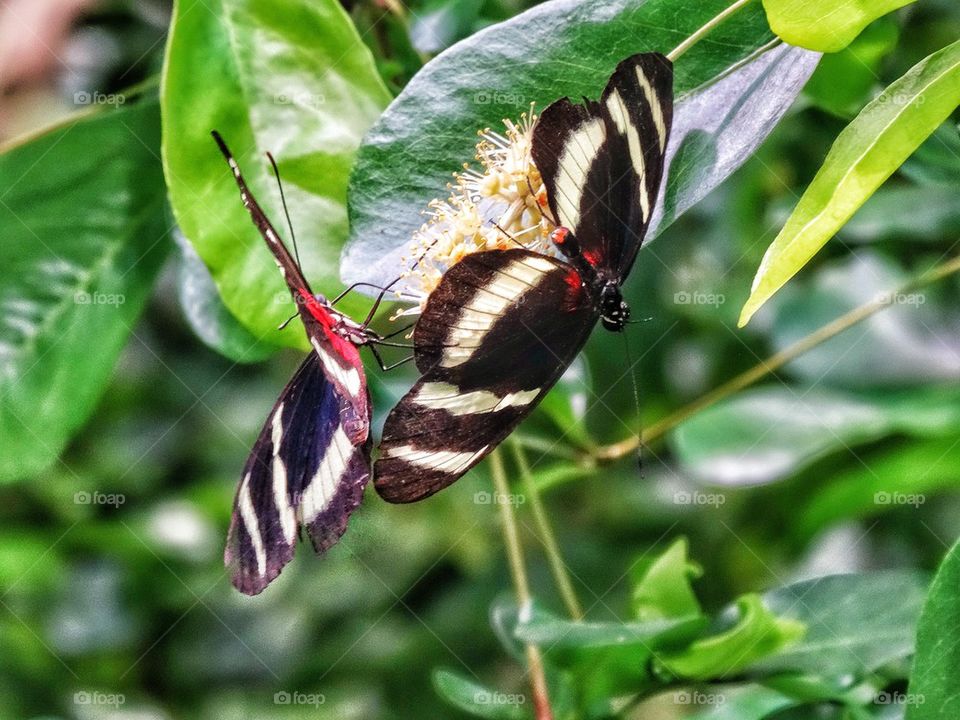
503,325
311,461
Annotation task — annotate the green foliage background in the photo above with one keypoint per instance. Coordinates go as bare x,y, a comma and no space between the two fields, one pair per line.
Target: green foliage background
124,422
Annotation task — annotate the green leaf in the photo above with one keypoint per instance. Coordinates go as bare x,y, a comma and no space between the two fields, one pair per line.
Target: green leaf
769,433
937,161
855,623
843,81
87,239
932,694
208,316
663,590
290,77
429,131
757,632
748,703
865,154
825,25
474,699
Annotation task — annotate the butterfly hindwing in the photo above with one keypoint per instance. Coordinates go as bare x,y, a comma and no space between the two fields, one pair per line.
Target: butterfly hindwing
303,471
494,337
602,161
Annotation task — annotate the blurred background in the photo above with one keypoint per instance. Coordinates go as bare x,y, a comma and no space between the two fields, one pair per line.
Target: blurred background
111,578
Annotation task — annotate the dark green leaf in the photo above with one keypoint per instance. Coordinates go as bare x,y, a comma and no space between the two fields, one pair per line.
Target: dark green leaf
933,694
86,239
474,699
289,77
855,623
937,161
429,131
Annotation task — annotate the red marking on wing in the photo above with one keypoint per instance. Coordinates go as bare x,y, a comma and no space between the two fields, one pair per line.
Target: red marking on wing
342,347
574,293
591,257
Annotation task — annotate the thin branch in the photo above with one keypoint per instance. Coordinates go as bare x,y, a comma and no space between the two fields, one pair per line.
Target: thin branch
775,362
557,566
511,537
705,30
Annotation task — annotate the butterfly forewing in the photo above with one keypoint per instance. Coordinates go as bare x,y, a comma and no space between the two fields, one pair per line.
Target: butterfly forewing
602,161
494,337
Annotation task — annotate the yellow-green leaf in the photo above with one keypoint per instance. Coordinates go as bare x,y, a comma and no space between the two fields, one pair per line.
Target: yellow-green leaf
825,25
865,154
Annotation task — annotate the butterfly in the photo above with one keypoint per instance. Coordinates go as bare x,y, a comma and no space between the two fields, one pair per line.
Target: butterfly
502,325
310,464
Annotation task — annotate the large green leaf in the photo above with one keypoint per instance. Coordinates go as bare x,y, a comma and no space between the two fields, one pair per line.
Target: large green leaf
855,623
933,693
566,48
772,432
290,77
85,239
865,154
825,25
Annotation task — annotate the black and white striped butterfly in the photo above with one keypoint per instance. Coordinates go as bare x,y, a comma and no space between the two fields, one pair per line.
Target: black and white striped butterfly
503,325
311,461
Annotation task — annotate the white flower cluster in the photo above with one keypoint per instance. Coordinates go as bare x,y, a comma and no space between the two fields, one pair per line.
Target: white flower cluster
495,207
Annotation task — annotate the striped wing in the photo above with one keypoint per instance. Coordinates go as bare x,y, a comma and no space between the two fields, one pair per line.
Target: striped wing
602,161
494,337
304,471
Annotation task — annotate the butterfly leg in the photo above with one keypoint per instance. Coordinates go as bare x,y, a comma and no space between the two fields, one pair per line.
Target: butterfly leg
384,367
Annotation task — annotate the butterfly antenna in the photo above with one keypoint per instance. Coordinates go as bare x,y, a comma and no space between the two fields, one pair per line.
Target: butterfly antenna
286,212
636,400
509,236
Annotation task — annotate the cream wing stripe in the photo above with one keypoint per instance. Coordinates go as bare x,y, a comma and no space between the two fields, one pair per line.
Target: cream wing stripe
434,459
323,485
578,155
249,516
621,118
281,498
444,396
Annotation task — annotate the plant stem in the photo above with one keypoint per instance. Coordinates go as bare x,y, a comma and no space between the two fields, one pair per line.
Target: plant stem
511,536
775,362
705,30
557,566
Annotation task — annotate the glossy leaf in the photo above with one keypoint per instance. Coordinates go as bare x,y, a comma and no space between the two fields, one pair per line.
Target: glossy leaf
932,693
289,77
663,589
770,433
430,130
825,25
855,623
87,239
865,154
479,701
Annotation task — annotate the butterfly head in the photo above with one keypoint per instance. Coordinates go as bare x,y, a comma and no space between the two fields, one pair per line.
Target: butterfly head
614,311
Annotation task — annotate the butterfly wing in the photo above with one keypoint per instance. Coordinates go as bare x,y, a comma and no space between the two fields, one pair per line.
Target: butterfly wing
304,471
602,161
494,337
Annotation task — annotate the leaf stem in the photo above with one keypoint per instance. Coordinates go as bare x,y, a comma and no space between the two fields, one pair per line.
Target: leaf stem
511,536
776,361
557,566
705,30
